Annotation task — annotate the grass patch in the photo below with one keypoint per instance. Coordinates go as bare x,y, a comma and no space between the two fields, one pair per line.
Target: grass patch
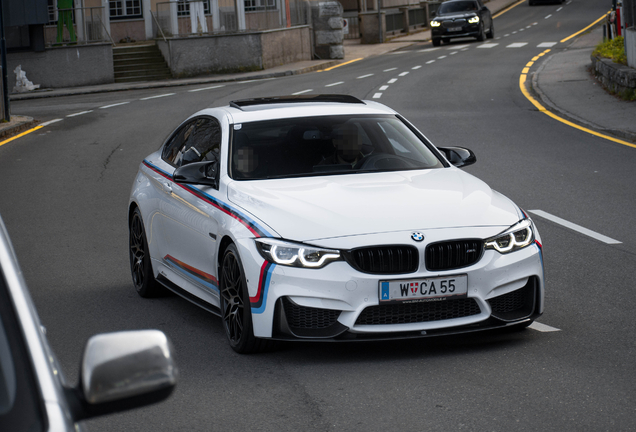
612,49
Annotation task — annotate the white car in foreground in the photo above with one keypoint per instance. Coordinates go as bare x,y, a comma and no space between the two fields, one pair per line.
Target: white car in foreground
325,217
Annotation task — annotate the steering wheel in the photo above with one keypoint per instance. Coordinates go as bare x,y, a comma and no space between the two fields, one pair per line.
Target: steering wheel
392,161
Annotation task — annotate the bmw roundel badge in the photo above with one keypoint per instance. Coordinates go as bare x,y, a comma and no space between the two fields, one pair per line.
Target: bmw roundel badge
417,236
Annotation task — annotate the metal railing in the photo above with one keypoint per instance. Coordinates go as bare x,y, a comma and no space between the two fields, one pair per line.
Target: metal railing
76,26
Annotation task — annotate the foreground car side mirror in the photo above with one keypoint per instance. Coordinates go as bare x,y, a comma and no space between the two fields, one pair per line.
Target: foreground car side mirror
123,370
205,173
459,156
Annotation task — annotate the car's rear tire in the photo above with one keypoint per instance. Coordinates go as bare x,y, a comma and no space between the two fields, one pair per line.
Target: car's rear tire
437,41
235,305
140,266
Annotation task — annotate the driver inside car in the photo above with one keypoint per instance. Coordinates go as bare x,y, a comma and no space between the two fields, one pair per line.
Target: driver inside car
347,144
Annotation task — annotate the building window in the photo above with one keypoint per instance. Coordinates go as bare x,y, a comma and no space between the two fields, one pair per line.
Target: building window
183,8
259,5
124,9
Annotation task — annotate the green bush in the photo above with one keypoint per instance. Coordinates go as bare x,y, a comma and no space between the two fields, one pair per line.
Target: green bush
612,49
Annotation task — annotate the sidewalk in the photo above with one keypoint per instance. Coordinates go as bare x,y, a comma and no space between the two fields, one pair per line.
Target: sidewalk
562,82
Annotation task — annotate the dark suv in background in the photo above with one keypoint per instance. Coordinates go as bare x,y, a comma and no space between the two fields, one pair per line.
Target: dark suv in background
462,18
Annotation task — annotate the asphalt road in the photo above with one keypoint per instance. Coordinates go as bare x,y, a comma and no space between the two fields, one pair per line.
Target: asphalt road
64,199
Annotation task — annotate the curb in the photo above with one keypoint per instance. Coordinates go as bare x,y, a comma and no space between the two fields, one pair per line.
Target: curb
572,117
22,123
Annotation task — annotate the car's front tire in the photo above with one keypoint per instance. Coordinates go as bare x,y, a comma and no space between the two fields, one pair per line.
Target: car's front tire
140,265
235,305
437,41
481,36
491,32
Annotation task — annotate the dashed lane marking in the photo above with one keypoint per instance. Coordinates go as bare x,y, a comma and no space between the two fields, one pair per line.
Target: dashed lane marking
403,74
546,44
488,45
543,327
158,96
392,80
205,88
114,105
79,113
575,227
517,45
335,84
364,76
389,70
301,92
384,87
377,96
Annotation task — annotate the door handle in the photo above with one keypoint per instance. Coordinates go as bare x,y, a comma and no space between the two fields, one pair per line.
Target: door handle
167,187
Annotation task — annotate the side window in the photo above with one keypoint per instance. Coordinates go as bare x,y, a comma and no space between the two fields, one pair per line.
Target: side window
204,143
172,150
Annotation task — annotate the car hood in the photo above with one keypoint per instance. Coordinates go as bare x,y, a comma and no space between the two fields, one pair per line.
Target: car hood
322,207
455,15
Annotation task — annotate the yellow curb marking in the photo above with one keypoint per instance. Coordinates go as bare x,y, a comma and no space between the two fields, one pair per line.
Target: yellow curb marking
20,135
341,64
581,31
508,8
541,108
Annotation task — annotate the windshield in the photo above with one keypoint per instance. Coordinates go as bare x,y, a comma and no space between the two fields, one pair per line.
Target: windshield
311,146
461,6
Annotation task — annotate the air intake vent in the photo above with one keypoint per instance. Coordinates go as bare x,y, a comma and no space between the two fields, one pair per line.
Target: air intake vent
452,255
407,313
384,259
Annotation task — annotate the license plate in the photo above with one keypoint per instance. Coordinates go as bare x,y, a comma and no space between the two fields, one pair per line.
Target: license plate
424,290
454,29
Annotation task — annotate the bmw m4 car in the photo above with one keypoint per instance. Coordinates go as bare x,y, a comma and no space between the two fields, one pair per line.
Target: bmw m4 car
326,217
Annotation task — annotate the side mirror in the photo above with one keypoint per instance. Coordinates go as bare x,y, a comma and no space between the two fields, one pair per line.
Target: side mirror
124,370
205,173
459,156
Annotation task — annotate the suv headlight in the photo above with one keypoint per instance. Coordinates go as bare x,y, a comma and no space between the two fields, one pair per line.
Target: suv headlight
514,238
473,20
435,23
295,254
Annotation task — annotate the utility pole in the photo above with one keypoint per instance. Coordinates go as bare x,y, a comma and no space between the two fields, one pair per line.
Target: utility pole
5,75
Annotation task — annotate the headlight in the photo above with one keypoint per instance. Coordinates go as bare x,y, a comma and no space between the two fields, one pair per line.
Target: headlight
473,20
435,23
514,238
295,254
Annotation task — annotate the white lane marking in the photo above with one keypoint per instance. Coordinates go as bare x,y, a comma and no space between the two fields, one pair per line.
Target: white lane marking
546,44
398,52
458,47
205,88
441,57
377,96
559,8
384,87
255,80
158,96
465,49
487,45
542,327
301,92
454,52
403,74
415,67
430,61
364,76
517,45
514,32
389,70
506,35
428,49
535,23
392,80
528,26
521,29
575,227
114,105
79,113
548,16
335,84
50,122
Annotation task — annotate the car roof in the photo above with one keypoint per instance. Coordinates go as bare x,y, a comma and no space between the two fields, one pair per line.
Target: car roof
280,107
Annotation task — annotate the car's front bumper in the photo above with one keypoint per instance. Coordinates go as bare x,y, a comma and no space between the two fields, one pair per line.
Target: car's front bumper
467,30
338,302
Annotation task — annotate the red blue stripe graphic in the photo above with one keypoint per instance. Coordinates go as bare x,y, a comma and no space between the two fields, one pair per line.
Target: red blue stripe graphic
259,301
187,270
250,224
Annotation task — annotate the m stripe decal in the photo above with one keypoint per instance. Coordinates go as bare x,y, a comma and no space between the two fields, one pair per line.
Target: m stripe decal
259,301
251,225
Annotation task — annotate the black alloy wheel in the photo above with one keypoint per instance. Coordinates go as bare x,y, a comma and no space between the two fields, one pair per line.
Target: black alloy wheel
437,41
140,266
491,32
235,305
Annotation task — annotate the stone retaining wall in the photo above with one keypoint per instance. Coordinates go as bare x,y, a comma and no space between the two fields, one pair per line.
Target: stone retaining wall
617,78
